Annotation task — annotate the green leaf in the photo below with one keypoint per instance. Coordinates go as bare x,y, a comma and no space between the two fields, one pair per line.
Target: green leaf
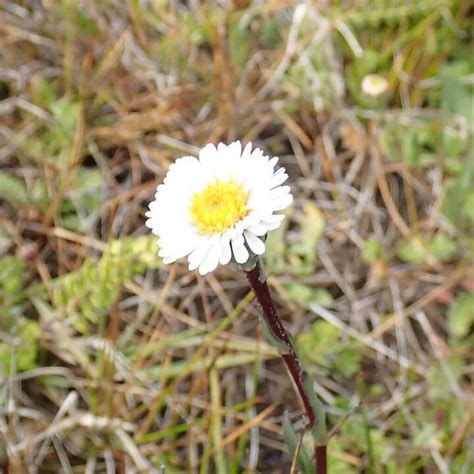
13,189
421,248
303,294
461,315
26,350
319,431
86,195
312,228
11,276
409,148
270,37
239,43
438,380
271,338
44,92
456,96
274,256
420,145
299,292
412,250
5,358
348,361
468,207
442,247
291,439
354,428
326,333
382,448
336,465
86,23
66,113
428,436
322,297
89,292
372,251
453,145
319,342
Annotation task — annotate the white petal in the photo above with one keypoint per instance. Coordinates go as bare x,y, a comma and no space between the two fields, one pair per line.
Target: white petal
256,245
258,229
234,150
241,254
149,224
178,252
196,257
274,161
210,261
273,222
279,192
275,218
208,154
225,251
221,147
180,170
282,202
247,151
278,178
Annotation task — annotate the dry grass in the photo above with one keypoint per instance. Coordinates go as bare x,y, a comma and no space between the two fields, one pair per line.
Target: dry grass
129,366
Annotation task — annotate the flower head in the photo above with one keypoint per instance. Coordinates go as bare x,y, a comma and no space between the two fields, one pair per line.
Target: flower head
374,85
219,206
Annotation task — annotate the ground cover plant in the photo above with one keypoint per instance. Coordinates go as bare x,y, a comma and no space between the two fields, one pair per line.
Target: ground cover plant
111,361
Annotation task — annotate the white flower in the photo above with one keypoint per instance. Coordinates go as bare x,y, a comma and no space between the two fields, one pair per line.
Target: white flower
374,85
219,206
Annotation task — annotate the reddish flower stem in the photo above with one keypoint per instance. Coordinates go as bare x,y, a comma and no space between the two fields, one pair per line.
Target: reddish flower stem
259,284
320,458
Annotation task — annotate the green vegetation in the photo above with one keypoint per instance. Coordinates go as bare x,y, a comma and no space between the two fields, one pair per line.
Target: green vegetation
113,362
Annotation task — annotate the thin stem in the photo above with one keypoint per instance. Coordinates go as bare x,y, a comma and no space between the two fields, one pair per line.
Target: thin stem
320,458
259,284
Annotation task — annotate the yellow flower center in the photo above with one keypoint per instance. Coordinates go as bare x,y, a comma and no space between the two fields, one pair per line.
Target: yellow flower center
218,207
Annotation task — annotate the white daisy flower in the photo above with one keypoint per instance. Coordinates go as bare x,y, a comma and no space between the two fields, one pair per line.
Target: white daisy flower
218,207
